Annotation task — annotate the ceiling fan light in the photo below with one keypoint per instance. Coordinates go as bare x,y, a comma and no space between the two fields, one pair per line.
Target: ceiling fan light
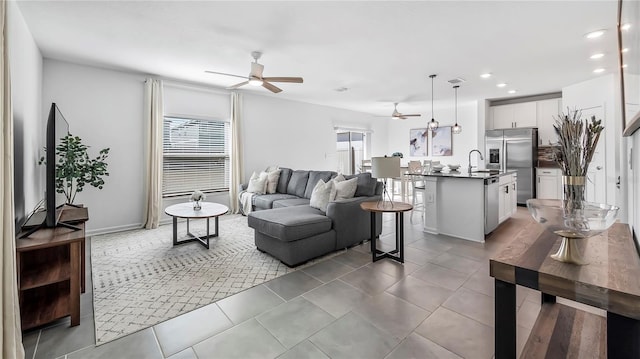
433,125
456,129
255,82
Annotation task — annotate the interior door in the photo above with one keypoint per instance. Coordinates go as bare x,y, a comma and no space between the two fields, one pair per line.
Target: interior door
596,185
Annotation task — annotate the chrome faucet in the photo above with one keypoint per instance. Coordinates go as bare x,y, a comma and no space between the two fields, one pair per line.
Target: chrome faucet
472,151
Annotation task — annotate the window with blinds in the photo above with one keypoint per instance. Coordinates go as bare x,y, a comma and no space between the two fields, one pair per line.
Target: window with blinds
195,155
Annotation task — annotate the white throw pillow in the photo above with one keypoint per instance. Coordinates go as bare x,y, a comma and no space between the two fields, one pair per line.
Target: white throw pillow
272,180
258,183
320,195
344,189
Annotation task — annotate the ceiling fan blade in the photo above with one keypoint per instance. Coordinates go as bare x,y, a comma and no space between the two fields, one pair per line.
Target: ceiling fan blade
411,115
222,73
297,80
271,87
238,85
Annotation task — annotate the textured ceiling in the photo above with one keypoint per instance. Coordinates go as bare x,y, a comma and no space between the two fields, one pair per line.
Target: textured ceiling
382,51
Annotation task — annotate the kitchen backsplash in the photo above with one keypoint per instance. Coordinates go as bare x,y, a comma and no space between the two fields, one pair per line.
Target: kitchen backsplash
545,156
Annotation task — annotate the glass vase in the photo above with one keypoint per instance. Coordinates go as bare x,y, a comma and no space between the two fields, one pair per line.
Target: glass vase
197,206
573,192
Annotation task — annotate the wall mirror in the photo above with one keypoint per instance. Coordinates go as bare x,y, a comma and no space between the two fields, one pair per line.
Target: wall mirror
629,47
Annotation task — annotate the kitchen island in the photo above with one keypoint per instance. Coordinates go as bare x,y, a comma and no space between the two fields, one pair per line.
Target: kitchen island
459,204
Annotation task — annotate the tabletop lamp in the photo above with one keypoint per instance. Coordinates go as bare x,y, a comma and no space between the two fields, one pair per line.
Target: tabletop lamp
383,168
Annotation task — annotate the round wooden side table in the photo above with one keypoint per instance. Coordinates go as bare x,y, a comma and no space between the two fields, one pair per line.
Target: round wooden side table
387,207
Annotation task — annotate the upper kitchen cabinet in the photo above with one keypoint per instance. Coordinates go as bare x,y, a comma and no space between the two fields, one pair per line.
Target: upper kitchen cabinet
547,113
513,115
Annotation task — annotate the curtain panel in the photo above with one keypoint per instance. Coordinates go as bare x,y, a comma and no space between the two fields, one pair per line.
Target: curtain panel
11,344
153,119
237,170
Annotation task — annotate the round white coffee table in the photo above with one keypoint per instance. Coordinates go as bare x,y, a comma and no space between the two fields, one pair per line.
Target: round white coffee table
185,210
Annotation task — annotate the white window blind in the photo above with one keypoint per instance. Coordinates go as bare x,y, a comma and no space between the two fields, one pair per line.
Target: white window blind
196,156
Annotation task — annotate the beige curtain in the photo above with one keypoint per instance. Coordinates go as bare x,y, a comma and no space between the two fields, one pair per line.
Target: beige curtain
237,171
11,345
153,118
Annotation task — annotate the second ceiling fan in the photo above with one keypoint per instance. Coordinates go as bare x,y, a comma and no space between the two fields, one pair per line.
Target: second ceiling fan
396,115
255,77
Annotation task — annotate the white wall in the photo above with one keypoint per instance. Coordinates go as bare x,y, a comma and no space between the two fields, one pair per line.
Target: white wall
299,135
25,64
461,144
104,108
600,91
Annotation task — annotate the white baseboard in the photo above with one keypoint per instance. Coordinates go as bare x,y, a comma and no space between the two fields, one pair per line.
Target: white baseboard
107,230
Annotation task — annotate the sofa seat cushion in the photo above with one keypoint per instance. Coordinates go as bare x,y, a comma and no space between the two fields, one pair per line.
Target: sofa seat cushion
291,202
290,223
265,201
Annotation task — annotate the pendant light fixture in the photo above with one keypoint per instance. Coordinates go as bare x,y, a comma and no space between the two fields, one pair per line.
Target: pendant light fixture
456,129
433,125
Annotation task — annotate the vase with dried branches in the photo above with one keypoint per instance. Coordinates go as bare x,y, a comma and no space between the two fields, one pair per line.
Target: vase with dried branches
577,139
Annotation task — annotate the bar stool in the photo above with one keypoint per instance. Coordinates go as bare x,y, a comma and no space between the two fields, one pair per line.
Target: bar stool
417,186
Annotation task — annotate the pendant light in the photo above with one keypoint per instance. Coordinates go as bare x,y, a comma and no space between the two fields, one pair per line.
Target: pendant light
456,129
433,125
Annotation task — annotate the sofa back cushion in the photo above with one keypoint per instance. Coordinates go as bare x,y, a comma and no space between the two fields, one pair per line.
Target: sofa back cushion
314,177
283,181
366,184
298,183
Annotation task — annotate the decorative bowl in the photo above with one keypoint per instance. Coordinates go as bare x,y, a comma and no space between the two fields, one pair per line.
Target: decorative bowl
572,225
437,168
453,167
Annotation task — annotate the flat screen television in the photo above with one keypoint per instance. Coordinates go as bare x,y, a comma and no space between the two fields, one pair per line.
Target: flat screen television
57,129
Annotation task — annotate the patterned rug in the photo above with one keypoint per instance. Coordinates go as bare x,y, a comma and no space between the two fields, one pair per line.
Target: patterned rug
140,279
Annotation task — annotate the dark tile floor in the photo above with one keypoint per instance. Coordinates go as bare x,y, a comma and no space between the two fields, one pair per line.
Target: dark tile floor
439,304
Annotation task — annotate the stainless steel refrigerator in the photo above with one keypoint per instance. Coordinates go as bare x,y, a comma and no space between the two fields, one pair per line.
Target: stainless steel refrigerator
514,149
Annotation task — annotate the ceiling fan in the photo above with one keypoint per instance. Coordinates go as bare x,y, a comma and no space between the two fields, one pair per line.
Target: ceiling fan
401,116
255,77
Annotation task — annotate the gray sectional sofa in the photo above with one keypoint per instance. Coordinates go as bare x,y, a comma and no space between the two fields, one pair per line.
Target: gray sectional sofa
288,228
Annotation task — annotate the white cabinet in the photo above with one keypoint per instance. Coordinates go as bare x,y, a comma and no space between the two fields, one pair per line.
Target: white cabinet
547,113
507,197
539,114
549,183
514,115
524,114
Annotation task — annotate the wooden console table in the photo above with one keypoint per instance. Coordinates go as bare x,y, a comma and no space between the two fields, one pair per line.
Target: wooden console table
611,281
51,269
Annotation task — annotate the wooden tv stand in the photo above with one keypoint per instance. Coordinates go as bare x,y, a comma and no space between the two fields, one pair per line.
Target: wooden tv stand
51,271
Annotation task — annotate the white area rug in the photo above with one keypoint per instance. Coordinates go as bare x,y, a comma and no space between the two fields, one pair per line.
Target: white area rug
140,279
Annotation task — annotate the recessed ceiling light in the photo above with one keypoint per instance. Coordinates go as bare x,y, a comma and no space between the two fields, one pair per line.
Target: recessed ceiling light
626,49
501,84
597,56
594,34
486,75
512,91
598,70
625,27
624,66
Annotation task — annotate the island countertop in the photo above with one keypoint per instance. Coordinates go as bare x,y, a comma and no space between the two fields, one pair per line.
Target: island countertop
482,174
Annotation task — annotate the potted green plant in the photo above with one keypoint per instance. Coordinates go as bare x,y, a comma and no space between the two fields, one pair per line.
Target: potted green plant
75,168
